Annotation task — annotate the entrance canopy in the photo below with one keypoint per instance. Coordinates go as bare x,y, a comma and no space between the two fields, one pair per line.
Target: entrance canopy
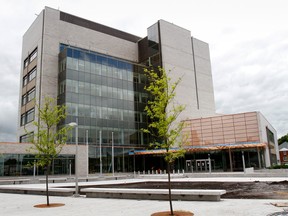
203,148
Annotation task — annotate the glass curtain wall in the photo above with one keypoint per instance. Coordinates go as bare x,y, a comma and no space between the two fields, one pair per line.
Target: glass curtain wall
23,165
105,96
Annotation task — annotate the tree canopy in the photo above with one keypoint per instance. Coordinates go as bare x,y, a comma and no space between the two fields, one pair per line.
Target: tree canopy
283,139
163,112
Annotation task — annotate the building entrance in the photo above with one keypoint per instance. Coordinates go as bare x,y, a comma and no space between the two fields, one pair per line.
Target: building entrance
203,165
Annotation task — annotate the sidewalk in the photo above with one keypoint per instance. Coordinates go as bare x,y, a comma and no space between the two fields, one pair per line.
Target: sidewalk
16,205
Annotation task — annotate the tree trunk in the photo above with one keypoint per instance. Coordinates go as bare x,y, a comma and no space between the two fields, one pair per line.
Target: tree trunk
169,188
47,191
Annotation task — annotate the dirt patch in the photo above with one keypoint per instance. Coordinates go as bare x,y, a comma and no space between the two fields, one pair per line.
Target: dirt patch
51,205
235,190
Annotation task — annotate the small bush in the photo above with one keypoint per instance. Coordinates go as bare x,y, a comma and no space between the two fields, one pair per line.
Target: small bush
282,166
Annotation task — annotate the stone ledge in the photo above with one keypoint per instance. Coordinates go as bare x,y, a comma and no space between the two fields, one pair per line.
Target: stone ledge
13,181
38,191
154,194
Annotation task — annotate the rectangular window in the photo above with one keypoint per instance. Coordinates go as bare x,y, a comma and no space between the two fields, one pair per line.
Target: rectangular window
26,138
33,55
30,115
32,74
25,80
24,99
31,95
27,117
25,62
23,117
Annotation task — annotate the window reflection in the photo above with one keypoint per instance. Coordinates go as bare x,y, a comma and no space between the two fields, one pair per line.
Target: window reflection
103,92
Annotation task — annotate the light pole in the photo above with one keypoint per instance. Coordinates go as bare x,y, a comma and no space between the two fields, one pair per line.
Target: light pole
100,152
243,161
87,155
112,154
74,124
34,169
209,161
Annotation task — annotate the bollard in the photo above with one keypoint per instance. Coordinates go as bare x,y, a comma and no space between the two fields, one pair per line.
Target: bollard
165,171
178,171
138,172
183,171
160,171
143,172
148,172
173,171
34,169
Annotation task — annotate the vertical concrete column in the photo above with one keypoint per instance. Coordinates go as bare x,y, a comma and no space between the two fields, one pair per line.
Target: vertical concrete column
230,159
259,158
83,160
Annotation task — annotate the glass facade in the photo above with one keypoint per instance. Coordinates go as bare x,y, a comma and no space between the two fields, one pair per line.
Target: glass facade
22,164
104,95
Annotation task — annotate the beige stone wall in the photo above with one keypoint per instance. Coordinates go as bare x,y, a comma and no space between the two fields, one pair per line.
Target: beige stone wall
188,58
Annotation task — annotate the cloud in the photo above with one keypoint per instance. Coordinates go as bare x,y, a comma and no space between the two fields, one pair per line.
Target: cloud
248,50
9,85
253,76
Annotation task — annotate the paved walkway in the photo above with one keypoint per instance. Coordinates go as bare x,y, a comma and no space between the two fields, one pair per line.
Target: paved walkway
14,204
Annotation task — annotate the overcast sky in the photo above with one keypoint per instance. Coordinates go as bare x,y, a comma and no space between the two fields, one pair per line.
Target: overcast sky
248,42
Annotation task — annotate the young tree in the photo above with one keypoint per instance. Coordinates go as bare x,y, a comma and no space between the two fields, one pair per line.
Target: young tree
163,111
48,141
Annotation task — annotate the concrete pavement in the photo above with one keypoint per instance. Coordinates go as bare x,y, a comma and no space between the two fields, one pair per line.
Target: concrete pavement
16,204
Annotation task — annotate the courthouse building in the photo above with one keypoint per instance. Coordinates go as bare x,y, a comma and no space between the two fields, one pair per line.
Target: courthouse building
97,73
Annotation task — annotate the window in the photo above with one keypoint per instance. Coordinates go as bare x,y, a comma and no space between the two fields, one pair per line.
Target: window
25,80
30,95
29,77
27,117
25,62
30,115
24,99
32,74
23,117
26,138
33,55
30,58
62,87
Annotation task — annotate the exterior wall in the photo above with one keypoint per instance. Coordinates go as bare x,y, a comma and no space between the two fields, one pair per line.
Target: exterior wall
234,129
189,59
186,56
22,148
225,129
31,39
204,80
263,126
55,32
